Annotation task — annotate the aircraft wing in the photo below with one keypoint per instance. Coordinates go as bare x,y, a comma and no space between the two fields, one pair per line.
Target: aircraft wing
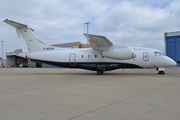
98,42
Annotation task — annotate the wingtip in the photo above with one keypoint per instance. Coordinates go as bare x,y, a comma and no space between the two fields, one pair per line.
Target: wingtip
87,34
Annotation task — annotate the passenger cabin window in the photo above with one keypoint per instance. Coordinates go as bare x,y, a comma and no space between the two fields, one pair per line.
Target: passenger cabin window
158,54
95,55
82,56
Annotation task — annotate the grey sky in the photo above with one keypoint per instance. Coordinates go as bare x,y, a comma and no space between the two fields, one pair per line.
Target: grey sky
129,22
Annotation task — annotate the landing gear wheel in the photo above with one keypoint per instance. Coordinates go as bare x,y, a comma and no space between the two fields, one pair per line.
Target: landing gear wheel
161,72
100,71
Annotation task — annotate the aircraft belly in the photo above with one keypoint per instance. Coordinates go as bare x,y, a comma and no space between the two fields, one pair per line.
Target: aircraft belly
90,65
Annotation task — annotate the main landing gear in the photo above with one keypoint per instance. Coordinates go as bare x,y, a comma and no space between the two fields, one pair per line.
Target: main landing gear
100,71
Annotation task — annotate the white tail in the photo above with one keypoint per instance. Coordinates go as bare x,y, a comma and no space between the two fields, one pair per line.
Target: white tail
28,41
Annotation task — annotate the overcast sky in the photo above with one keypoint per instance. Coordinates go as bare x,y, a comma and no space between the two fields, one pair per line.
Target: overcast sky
128,22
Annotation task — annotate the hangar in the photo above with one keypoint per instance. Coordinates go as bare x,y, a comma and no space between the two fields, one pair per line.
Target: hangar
172,45
12,60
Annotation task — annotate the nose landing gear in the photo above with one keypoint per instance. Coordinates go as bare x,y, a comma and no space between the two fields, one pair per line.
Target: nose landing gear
161,71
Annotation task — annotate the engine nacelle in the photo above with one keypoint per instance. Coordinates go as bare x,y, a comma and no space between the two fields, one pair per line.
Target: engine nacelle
120,54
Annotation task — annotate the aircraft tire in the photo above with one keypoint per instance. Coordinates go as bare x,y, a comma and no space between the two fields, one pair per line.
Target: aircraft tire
161,72
100,71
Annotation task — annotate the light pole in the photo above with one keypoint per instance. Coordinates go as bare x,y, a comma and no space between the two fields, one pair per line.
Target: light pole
2,53
87,25
87,29
2,50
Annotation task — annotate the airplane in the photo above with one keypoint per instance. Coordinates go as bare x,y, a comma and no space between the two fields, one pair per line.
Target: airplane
102,56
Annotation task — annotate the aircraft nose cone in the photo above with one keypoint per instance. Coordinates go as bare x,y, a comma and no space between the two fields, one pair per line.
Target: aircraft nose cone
174,63
171,62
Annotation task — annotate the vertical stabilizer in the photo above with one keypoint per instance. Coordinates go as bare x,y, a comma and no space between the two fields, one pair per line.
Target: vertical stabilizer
29,42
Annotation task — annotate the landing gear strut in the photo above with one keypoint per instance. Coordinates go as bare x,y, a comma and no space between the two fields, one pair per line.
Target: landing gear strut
100,71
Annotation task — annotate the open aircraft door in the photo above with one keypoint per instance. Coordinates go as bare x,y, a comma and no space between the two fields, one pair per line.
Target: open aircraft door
72,59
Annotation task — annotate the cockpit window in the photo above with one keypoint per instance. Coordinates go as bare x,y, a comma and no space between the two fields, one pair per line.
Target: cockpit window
159,54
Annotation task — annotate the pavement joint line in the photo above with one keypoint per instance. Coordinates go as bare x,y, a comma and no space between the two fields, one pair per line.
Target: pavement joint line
155,106
121,101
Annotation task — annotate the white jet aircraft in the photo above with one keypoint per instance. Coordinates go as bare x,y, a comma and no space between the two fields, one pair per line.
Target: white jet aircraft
103,56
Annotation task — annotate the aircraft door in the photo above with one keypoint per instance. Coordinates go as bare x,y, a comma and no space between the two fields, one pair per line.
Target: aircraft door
72,59
145,56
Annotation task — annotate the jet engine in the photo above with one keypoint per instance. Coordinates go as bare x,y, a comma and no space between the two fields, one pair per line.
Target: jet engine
120,54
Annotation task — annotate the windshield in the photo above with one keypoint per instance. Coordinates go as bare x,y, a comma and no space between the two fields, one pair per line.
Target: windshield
159,53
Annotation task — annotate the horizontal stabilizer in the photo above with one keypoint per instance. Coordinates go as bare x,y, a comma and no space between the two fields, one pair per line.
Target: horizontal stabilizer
15,24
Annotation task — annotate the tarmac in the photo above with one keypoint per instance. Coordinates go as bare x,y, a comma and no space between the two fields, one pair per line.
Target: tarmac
75,94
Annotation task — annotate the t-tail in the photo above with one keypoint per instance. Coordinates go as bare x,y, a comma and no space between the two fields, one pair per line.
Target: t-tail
28,41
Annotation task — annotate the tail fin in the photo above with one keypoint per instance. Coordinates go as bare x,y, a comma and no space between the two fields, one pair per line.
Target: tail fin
28,41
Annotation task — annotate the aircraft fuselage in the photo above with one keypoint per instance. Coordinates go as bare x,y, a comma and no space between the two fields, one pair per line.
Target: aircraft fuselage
90,59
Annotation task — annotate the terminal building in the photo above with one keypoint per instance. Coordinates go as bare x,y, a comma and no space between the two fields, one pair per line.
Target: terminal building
172,45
